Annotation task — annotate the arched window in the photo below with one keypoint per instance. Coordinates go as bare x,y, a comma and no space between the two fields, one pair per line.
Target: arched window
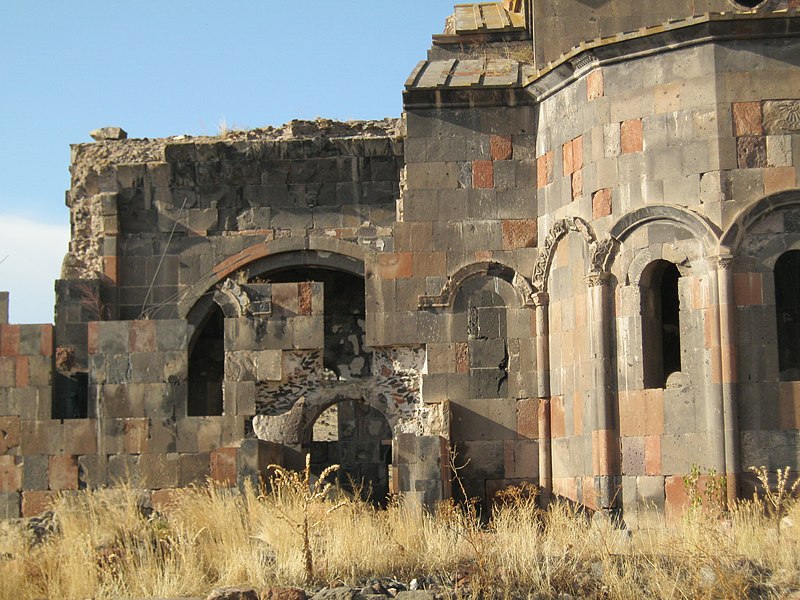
661,329
207,368
787,310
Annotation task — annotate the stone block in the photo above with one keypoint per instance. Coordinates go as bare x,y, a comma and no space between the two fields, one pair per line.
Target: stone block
63,472
528,418
631,136
41,437
601,203
36,502
123,469
480,419
10,505
193,468
501,147
779,151
135,435
595,85
171,335
9,434
80,436
92,472
223,466
751,152
158,471
779,179
162,435
633,456
519,233
10,474
747,119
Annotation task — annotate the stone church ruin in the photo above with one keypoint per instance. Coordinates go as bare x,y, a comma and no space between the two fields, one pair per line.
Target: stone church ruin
574,259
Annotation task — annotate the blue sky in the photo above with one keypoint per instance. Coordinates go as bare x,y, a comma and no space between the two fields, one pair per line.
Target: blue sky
159,68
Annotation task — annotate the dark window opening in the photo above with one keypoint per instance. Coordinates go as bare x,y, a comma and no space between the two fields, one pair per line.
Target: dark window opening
747,4
207,368
72,392
787,311
661,328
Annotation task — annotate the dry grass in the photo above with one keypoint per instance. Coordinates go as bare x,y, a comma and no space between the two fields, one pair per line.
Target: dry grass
106,546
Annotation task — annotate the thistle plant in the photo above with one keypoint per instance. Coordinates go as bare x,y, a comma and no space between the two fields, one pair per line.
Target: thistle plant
297,486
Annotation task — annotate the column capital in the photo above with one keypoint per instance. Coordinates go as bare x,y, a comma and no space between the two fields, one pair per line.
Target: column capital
722,262
597,278
541,298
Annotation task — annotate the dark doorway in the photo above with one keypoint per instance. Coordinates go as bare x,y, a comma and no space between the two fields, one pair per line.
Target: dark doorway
357,437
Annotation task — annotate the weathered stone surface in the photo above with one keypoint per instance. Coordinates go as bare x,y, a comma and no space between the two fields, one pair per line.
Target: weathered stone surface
108,133
233,593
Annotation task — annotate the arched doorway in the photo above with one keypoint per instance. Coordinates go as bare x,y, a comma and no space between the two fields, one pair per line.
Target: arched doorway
358,438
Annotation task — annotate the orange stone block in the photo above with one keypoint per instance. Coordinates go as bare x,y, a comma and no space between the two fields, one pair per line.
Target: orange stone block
501,147
36,502
519,233
544,170
676,502
569,163
577,153
9,340
63,472
747,119
652,455
595,85
654,412
632,139
779,179
482,174
223,466
92,337
46,347
601,203
462,357
166,499
397,265
429,264
557,417
747,289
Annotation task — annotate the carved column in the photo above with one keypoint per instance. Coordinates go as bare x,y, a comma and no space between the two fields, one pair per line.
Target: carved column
728,371
542,300
714,397
604,437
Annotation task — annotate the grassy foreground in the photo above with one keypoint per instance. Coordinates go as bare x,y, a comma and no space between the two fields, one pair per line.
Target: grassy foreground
101,544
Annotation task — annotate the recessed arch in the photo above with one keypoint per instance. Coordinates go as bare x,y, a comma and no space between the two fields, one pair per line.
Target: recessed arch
754,214
524,291
702,229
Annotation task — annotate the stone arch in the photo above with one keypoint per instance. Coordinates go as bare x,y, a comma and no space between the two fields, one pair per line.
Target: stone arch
275,254
600,250
261,258
523,289
755,213
703,230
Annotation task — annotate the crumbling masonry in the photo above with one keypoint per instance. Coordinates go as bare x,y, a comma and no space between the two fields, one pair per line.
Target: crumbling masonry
575,260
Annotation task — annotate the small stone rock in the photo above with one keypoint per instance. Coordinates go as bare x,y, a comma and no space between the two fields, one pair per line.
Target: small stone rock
233,593
413,585
108,133
279,593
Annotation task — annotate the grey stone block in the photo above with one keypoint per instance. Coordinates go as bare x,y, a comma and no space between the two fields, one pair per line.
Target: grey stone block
10,505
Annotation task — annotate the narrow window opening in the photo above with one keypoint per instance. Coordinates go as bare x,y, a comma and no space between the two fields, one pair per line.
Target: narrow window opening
787,311
661,327
207,368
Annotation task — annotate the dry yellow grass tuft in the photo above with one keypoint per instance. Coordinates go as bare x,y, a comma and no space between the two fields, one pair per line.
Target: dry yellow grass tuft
102,544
